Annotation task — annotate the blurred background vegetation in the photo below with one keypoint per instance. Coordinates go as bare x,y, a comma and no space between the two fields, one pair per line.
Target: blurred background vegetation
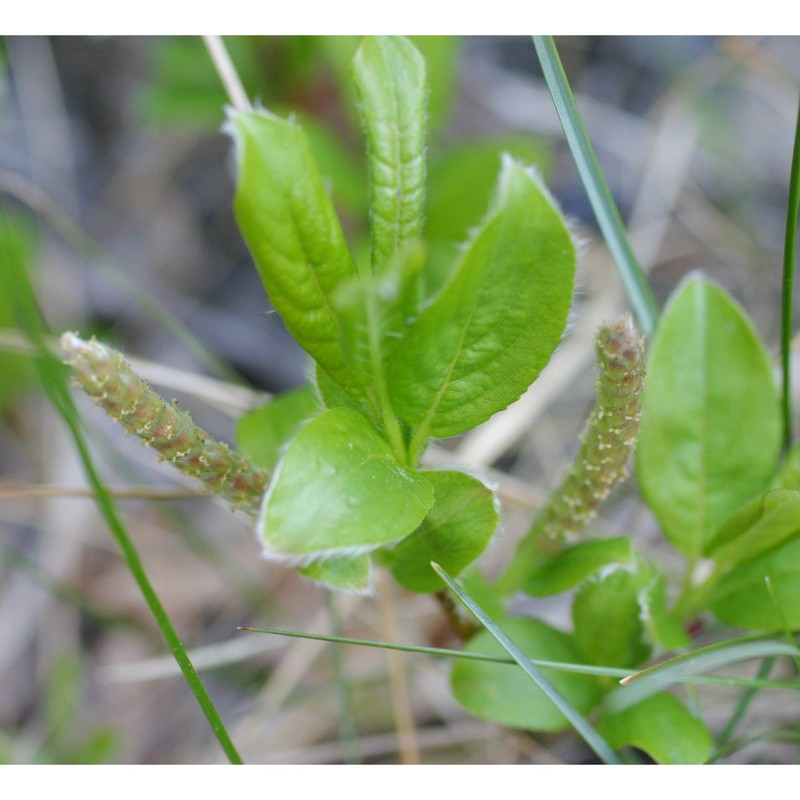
116,181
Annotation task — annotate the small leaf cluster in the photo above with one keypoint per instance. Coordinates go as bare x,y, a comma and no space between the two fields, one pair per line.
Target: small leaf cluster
395,362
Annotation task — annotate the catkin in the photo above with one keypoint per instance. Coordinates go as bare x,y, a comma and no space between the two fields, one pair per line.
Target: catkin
108,379
608,439
607,442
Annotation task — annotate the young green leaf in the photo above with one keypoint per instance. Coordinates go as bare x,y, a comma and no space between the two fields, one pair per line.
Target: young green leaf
495,324
262,433
374,311
456,531
338,490
662,630
442,57
389,76
788,476
288,222
348,573
508,696
567,569
462,179
662,727
606,618
744,599
763,525
710,430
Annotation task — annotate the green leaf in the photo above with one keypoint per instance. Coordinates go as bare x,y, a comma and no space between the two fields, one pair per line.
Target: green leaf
261,434
289,224
462,179
662,727
662,629
389,76
606,618
17,245
710,425
744,597
352,574
491,330
334,395
788,476
374,311
567,569
482,592
184,90
508,696
764,524
343,173
456,531
442,55
339,491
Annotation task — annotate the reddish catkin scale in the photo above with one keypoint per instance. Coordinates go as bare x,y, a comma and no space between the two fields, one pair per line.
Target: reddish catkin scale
109,380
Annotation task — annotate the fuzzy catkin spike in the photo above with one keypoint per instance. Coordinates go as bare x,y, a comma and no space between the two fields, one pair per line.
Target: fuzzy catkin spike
109,380
607,442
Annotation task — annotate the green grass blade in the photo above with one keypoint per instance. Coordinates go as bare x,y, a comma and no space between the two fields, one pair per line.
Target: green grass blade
789,252
580,669
641,296
53,374
649,681
583,669
578,721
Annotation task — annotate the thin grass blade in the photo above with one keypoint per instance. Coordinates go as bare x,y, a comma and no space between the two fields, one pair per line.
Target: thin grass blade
789,252
579,669
577,720
605,209
647,682
583,669
53,376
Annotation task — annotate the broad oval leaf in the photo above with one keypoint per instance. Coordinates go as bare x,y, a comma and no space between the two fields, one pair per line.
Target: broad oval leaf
662,629
506,695
607,619
291,228
662,727
763,525
710,425
345,573
262,434
567,569
456,531
763,594
484,339
389,76
339,491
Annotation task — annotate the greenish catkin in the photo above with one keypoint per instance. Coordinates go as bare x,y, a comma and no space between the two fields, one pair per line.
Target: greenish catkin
108,379
607,442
